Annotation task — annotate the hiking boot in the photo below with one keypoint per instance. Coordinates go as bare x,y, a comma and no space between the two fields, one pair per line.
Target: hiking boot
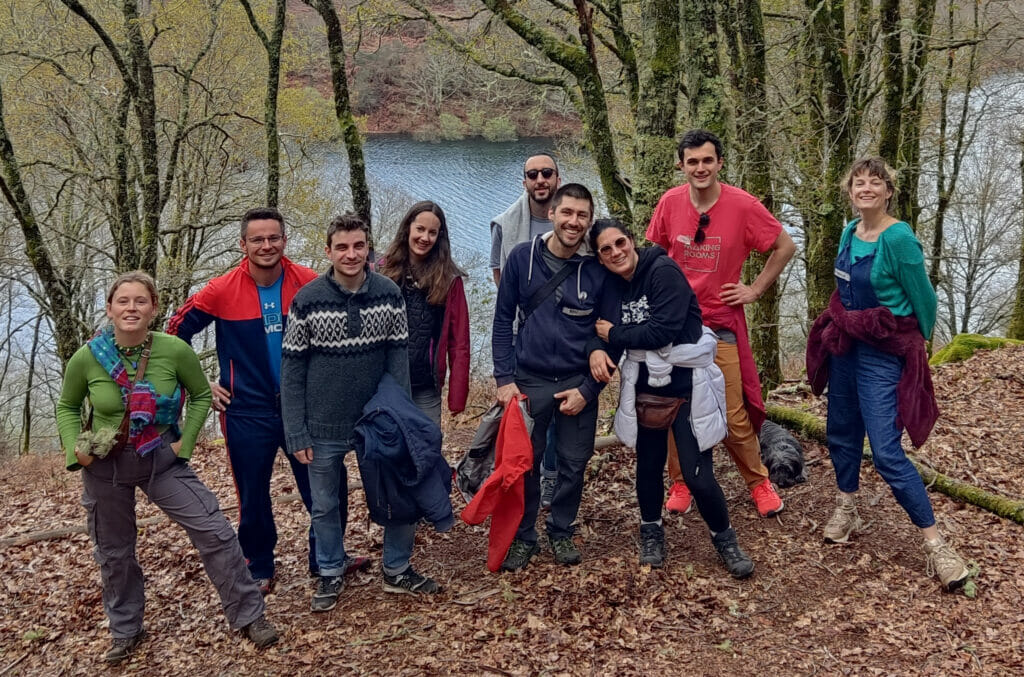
548,478
680,500
411,583
519,554
565,551
327,590
652,545
766,499
266,585
844,521
261,632
945,563
122,647
735,560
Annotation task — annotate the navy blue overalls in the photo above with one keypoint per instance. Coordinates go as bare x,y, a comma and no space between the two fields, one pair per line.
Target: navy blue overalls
862,397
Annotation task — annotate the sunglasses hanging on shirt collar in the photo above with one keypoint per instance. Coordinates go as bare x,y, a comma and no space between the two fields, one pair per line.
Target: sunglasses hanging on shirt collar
702,223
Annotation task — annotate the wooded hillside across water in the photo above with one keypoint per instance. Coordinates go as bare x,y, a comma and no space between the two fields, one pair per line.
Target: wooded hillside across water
134,134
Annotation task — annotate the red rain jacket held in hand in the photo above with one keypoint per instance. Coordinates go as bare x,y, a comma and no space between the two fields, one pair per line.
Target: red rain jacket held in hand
501,496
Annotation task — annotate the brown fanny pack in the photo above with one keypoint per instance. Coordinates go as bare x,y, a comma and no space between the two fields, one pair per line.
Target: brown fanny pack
657,412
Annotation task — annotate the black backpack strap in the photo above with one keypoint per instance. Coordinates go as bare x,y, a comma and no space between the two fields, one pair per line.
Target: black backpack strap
546,290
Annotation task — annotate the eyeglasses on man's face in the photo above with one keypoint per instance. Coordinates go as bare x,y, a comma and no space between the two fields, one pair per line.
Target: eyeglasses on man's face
260,241
702,223
532,174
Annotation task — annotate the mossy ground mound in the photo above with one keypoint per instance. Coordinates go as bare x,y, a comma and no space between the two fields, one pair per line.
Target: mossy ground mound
963,346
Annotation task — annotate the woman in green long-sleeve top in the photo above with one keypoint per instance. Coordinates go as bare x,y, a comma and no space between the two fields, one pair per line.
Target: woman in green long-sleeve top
152,455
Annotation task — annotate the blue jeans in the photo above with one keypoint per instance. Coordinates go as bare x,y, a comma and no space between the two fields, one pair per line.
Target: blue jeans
398,543
862,397
328,481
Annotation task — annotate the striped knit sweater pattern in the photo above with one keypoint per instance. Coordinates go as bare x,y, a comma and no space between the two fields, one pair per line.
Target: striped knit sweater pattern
337,346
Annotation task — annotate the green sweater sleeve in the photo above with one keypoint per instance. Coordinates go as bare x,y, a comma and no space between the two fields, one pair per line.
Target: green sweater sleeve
195,383
902,283
74,390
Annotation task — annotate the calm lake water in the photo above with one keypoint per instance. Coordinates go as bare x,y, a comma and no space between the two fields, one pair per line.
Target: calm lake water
472,180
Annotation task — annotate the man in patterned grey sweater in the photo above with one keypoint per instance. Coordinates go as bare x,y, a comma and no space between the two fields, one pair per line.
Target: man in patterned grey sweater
346,329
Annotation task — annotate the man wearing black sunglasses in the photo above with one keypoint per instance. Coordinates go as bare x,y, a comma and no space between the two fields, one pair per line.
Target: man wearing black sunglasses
710,228
527,217
523,221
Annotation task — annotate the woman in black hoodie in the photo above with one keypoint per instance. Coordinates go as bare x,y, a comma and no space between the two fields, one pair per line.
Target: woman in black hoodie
649,306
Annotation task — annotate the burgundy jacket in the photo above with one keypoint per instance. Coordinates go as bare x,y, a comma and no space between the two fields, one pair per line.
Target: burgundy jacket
453,347
834,332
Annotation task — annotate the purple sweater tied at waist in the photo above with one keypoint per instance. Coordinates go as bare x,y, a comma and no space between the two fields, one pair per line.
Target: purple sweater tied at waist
834,332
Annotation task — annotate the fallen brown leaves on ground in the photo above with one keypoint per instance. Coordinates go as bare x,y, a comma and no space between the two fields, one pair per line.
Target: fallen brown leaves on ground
861,609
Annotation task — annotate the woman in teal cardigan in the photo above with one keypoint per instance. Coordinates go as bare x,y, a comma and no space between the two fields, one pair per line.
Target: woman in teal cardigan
870,345
152,454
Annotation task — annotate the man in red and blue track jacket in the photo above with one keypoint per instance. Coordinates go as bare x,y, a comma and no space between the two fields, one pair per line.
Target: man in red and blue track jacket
249,308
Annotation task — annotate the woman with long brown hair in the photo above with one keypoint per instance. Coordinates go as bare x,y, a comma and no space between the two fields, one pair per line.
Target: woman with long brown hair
419,260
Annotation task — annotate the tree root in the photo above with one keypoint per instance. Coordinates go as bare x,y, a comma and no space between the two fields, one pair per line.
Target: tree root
810,426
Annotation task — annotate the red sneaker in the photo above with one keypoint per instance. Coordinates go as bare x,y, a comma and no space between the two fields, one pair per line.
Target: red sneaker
766,499
680,500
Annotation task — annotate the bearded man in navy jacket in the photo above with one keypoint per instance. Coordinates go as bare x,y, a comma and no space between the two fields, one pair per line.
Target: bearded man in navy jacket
553,291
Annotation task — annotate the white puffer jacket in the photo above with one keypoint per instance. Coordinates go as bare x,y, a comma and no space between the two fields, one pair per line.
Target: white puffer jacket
707,401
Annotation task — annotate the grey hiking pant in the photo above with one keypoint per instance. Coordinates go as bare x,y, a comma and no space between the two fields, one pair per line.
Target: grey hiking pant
108,494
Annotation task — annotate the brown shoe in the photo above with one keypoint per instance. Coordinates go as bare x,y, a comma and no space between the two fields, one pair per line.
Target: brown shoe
123,647
261,632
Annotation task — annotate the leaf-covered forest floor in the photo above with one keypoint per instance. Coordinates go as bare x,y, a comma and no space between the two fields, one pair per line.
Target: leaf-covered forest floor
861,609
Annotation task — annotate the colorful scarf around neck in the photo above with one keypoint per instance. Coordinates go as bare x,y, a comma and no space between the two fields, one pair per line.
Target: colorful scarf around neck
148,408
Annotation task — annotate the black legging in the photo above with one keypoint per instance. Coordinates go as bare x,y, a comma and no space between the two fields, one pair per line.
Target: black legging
697,467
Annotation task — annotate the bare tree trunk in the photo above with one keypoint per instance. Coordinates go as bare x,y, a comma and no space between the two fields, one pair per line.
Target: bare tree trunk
58,297
753,137
272,45
832,108
26,415
704,85
892,79
343,109
656,108
578,59
1016,329
909,157
945,187
145,111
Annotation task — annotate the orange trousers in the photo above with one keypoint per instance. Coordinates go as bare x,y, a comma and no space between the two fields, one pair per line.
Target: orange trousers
741,441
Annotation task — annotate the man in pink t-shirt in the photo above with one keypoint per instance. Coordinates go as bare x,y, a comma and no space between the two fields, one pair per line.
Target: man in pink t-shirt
710,228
